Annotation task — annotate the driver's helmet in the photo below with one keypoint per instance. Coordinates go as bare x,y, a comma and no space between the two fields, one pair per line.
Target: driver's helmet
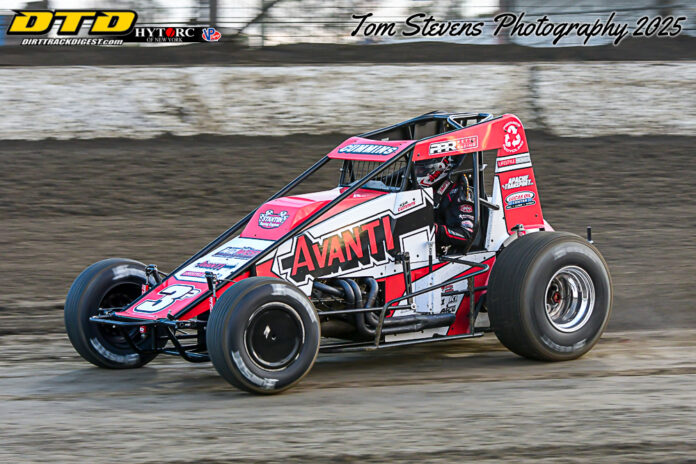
429,172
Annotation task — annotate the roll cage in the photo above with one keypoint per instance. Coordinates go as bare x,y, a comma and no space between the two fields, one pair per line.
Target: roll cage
438,119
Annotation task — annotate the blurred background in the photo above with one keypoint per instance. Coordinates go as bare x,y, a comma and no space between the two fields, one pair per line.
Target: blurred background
280,22
149,152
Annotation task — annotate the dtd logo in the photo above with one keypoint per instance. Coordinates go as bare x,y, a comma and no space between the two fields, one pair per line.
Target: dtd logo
104,22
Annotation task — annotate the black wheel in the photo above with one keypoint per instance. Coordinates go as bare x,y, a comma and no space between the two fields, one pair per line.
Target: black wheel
549,296
263,335
110,283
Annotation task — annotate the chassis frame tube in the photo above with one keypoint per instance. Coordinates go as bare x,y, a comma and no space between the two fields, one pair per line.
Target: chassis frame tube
472,264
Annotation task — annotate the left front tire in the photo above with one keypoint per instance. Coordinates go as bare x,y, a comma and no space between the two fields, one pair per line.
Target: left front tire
263,335
109,283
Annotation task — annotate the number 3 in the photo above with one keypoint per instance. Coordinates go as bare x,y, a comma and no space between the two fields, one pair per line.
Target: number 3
168,296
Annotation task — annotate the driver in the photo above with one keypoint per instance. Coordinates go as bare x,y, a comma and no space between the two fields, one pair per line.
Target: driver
454,208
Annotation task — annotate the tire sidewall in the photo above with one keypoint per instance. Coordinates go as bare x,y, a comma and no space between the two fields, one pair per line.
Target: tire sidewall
237,320
549,339
83,301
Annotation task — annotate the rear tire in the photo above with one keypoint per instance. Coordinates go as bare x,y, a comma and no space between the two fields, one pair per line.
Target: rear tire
109,283
263,335
549,296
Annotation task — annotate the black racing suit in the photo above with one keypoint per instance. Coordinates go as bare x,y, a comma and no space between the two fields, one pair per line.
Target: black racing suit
454,215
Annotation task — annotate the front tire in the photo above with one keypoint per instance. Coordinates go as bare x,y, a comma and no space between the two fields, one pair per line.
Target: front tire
109,283
549,296
263,335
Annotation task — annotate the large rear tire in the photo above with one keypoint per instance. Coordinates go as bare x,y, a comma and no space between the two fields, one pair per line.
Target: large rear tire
549,296
113,282
263,335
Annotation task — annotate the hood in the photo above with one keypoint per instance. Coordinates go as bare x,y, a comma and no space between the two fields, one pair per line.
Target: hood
277,217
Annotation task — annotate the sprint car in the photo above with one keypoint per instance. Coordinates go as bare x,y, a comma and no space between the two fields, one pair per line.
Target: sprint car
358,267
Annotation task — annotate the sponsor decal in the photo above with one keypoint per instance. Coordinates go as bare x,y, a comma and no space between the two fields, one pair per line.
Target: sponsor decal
210,34
238,253
209,265
167,34
443,187
406,205
357,246
513,137
103,27
193,274
166,297
368,149
519,199
448,304
513,160
449,146
271,220
518,181
103,22
466,208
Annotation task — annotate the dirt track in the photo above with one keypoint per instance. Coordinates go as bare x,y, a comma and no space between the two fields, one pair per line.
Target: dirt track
66,204
630,400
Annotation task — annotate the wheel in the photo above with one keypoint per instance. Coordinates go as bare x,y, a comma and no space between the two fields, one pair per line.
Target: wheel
109,283
549,296
263,335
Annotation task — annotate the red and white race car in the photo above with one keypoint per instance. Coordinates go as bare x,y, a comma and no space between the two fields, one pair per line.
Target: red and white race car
359,267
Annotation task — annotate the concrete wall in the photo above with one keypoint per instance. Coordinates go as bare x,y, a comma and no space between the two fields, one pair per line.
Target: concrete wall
568,99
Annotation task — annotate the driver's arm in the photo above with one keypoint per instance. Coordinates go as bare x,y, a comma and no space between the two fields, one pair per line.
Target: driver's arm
455,224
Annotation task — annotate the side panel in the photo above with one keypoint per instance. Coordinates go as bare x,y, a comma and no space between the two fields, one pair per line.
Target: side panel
361,241
518,191
461,323
435,302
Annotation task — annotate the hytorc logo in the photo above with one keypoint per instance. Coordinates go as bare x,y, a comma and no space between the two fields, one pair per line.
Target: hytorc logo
103,22
165,34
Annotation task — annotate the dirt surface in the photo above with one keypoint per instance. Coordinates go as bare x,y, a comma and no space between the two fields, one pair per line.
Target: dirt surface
67,204
631,400
230,53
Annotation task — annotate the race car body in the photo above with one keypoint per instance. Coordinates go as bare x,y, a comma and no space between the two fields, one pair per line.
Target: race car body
359,267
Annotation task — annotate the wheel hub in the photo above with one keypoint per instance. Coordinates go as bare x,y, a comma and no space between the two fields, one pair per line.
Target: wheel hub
116,297
274,335
570,298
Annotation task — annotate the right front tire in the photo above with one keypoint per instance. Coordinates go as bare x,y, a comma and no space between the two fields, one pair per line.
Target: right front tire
263,335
